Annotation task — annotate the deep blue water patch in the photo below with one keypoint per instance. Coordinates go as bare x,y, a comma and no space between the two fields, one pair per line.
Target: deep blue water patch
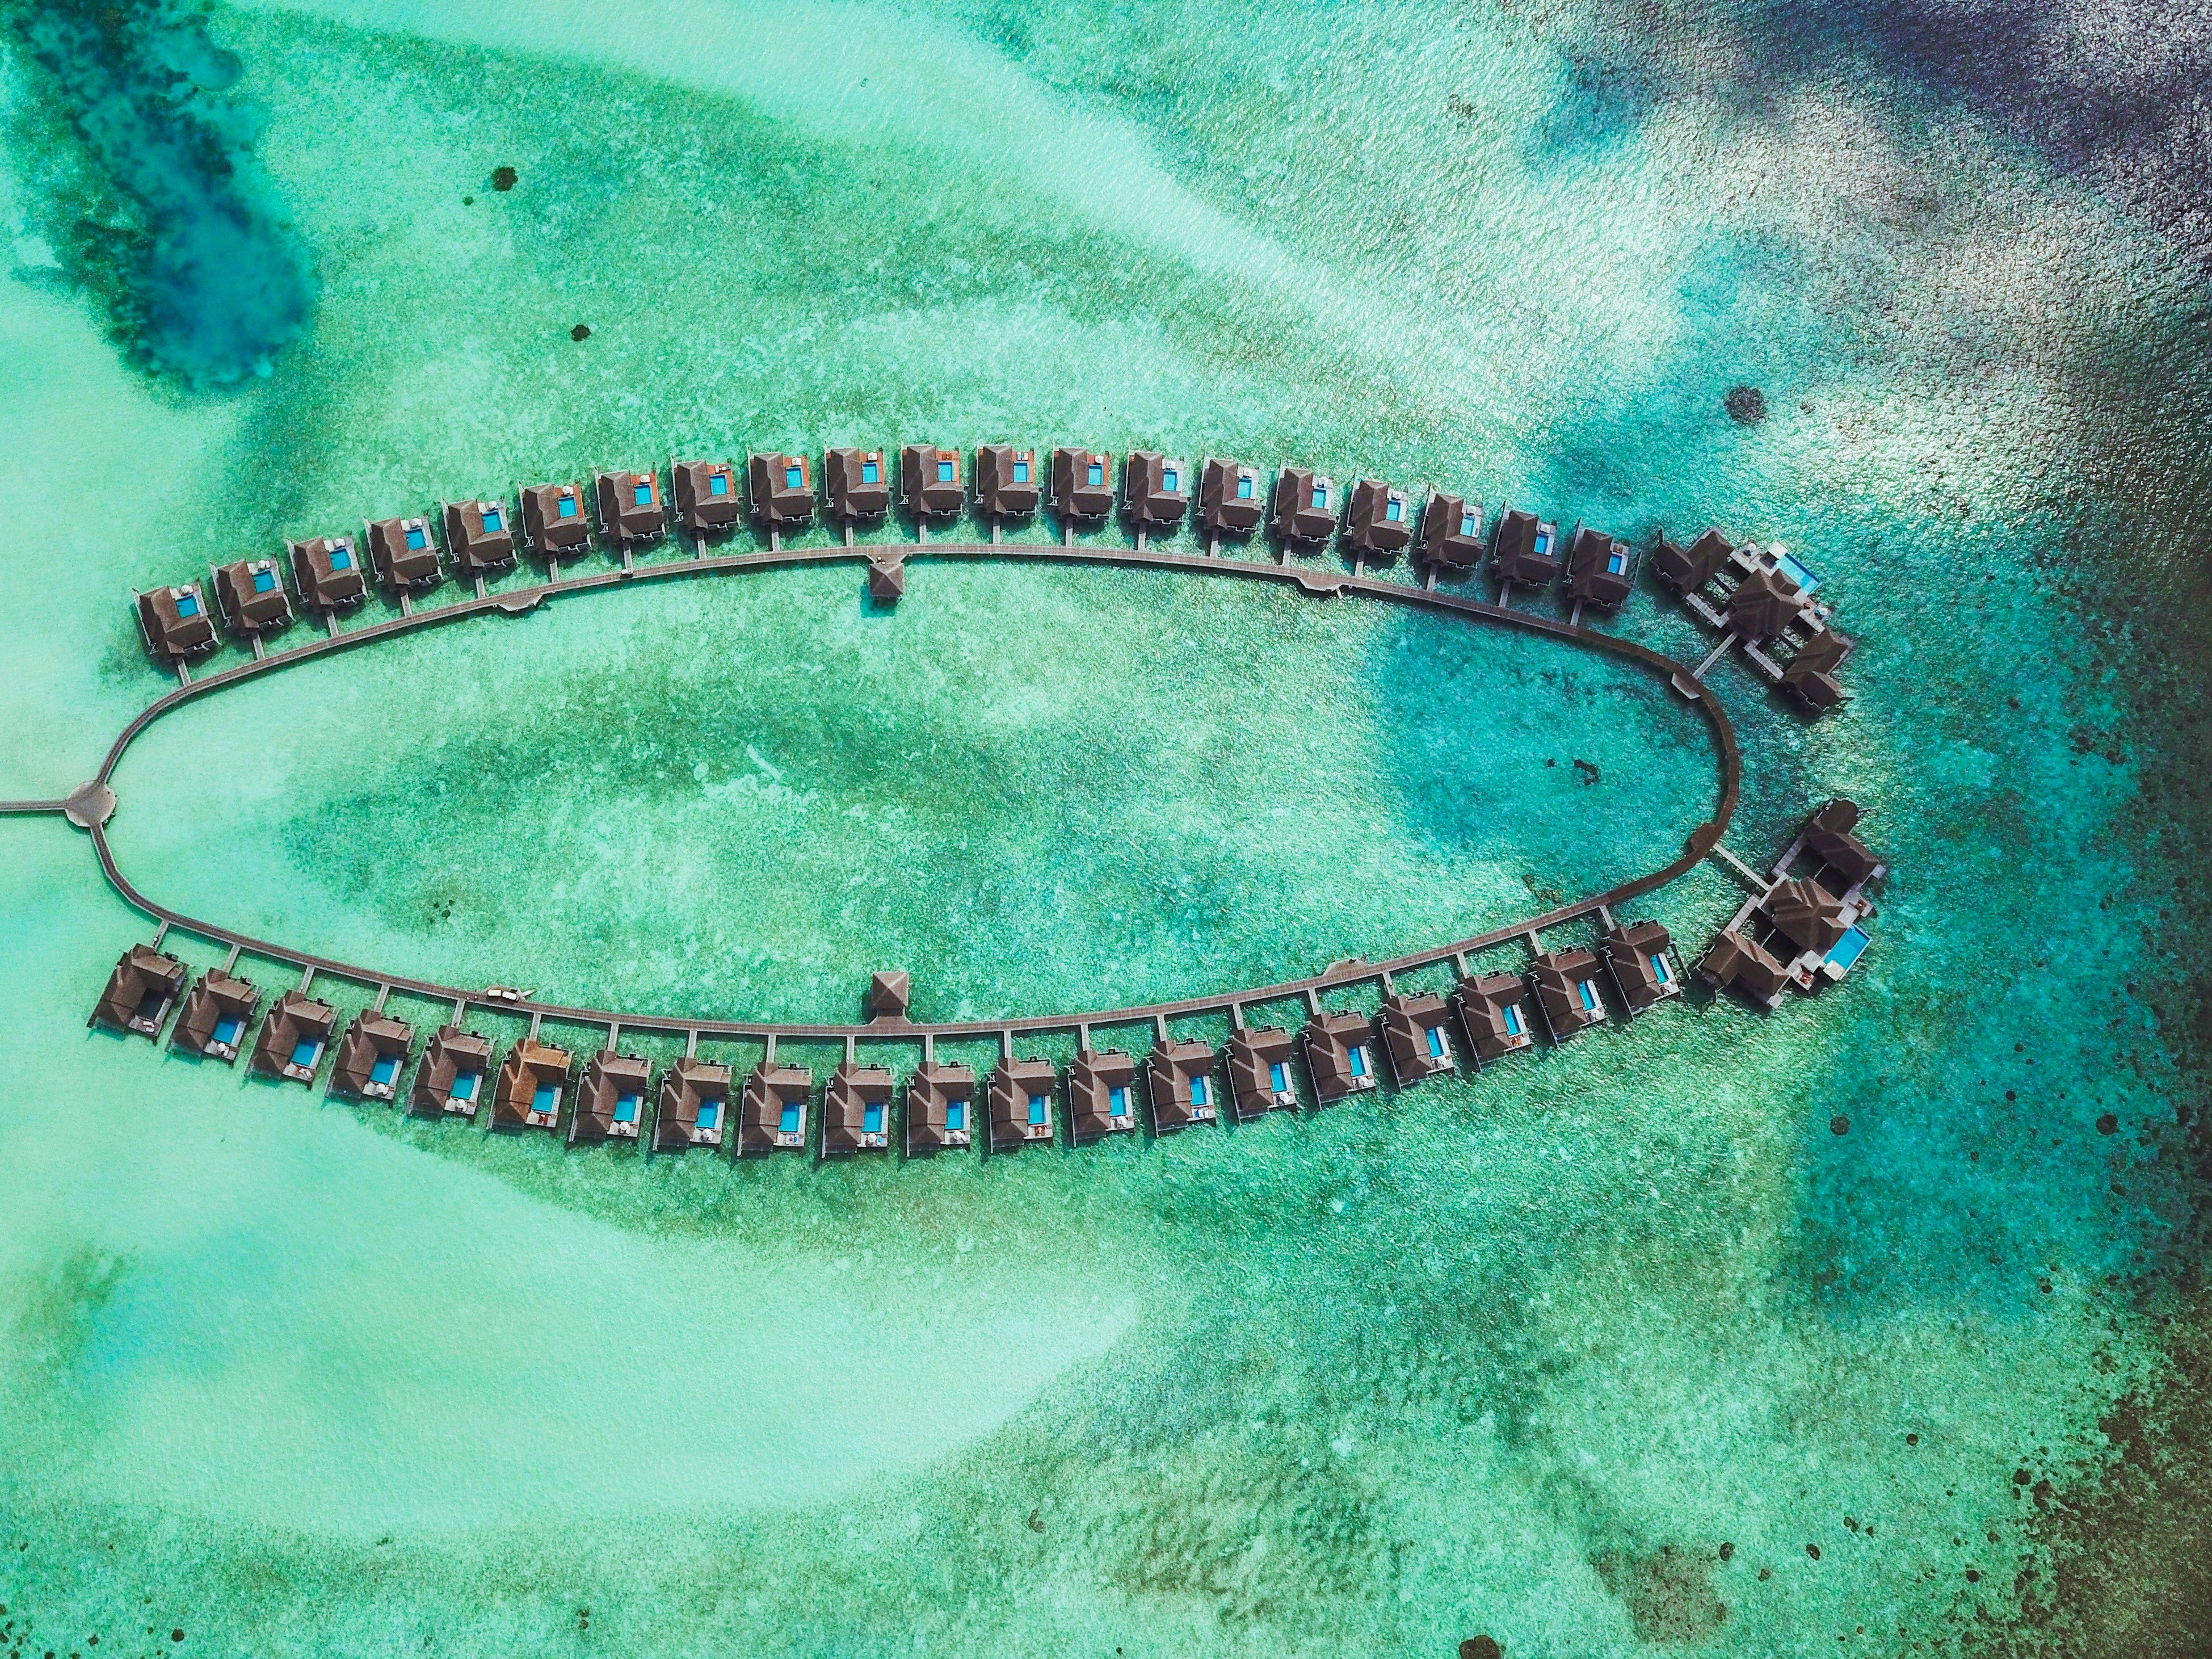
162,213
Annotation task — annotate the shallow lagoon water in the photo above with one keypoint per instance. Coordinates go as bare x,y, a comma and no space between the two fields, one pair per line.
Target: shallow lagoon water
1514,1355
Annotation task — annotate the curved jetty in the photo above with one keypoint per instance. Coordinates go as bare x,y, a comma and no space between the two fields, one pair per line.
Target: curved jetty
1803,926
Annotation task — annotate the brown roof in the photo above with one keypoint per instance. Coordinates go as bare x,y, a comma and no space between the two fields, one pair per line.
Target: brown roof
1379,521
1687,569
374,1043
1810,675
887,580
1021,1103
1745,964
329,572
1339,1050
1764,604
1102,1094
1258,1056
1806,914
1641,958
1493,1010
772,1115
931,1094
1417,1032
451,1055
293,1038
1179,1079
554,519
1082,484
929,484
709,500
1155,488
219,1001
1600,570
403,553
1232,497
175,622
140,992
631,506
1006,482
1451,533
856,1110
479,537
1304,509
532,1080
1567,991
252,594
851,495
782,490
1515,556
695,1105
611,1098
888,993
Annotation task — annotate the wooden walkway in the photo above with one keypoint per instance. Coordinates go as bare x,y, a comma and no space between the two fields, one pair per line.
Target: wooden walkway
92,802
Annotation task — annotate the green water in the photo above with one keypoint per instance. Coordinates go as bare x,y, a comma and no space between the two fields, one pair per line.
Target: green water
1516,1355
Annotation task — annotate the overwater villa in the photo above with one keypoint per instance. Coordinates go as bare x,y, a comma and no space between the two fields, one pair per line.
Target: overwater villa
1417,1035
252,596
1809,676
1452,534
940,1108
1379,522
610,1098
1493,1011
479,537
1842,863
1340,1051
631,509
450,1081
215,1014
1259,1077
1734,961
1232,497
175,622
402,554
856,1110
1305,510
781,491
553,522
1640,958
695,1105
707,499
929,484
1687,569
772,1115
1007,483
1155,490
856,486
140,992
1179,1079
1806,914
1764,604
294,1037
329,572
1567,991
1021,1103
1102,1094
1082,485
532,1080
1525,550
371,1056
1601,571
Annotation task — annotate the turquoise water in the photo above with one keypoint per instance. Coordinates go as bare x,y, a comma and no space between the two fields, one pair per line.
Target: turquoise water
1588,1354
